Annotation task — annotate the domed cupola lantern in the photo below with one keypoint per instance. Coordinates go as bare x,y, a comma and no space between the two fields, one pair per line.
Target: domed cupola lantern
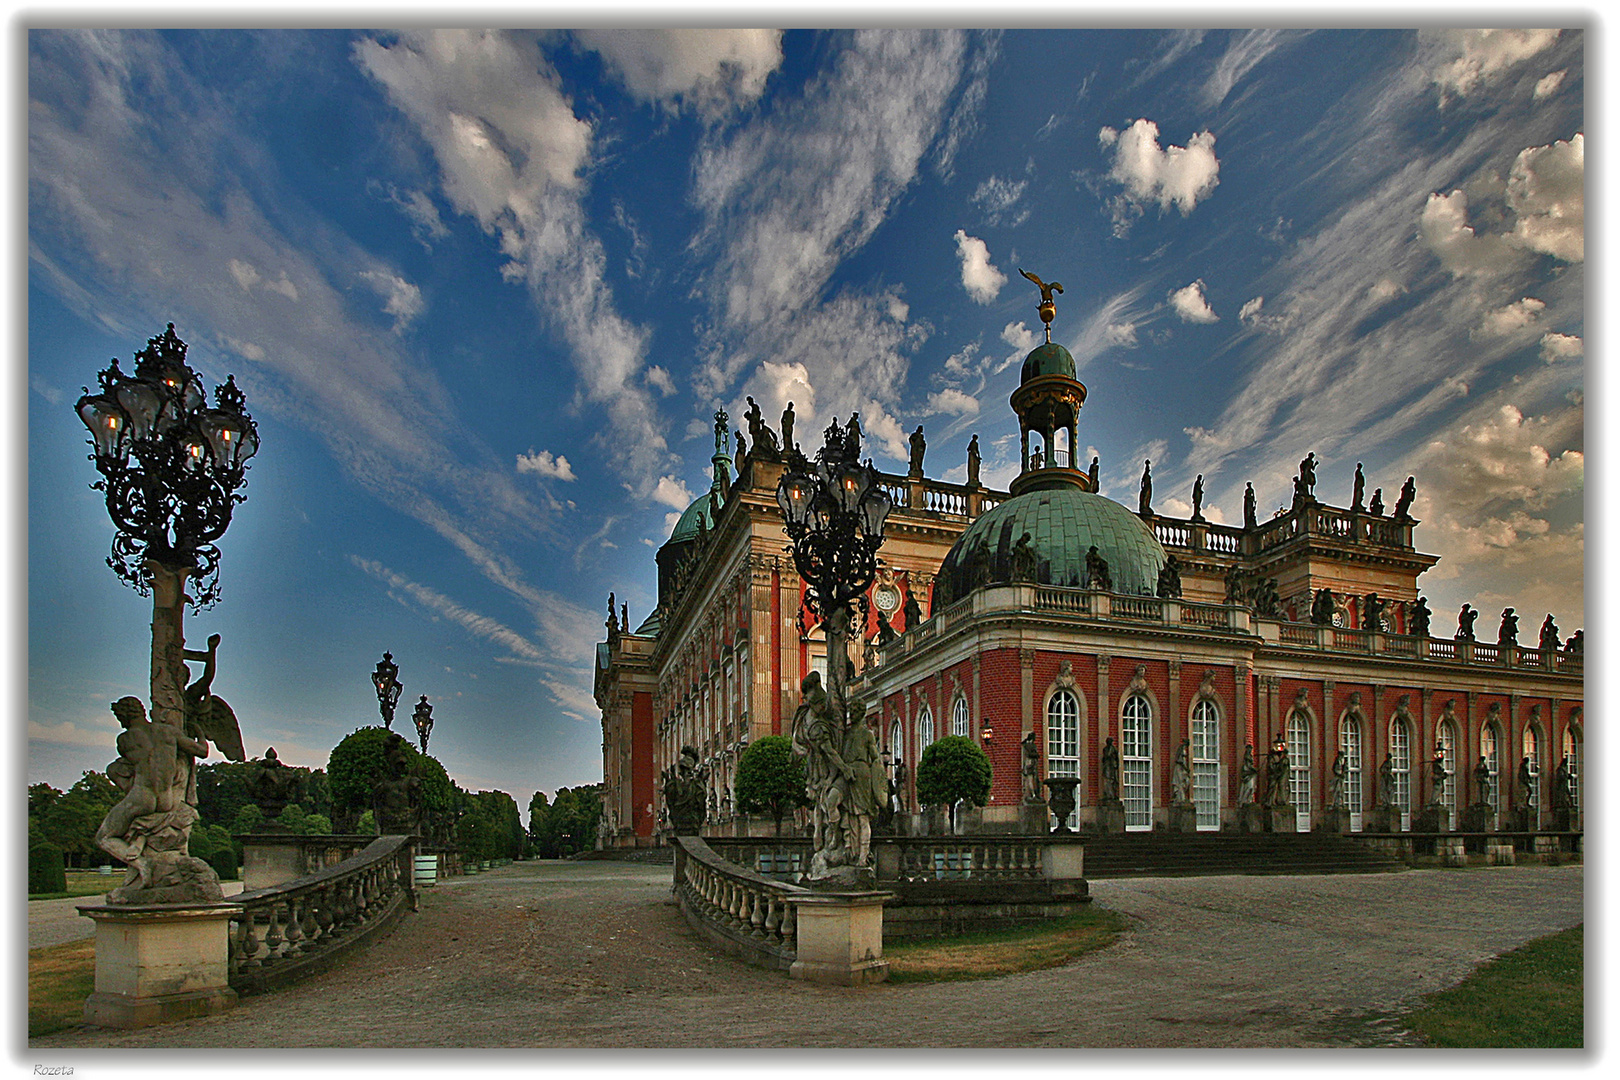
1048,401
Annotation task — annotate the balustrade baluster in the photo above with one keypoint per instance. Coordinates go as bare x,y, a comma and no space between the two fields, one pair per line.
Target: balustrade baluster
249,943
272,935
773,917
757,918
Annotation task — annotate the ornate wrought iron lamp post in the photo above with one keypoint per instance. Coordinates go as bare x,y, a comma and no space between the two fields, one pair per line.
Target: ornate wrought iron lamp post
834,511
172,469
423,718
386,680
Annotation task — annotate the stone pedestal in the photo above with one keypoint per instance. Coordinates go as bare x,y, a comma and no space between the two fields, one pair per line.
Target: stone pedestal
270,859
1183,817
840,938
159,962
1432,819
1336,819
1383,819
1032,818
1479,817
1281,819
1251,818
1111,816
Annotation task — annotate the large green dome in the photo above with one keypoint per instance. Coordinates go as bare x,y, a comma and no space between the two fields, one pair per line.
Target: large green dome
1048,359
1063,524
687,527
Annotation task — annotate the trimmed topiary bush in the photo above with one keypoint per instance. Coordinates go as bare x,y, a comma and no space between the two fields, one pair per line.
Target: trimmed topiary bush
953,769
45,871
770,779
223,860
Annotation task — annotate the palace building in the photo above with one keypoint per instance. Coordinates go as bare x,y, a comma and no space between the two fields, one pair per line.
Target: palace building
1051,611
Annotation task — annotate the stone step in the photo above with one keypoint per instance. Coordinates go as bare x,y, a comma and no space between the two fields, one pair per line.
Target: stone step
1180,854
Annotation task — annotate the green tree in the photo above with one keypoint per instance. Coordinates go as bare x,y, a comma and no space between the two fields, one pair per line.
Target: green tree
41,797
357,766
954,769
571,825
247,820
770,779
539,811
71,822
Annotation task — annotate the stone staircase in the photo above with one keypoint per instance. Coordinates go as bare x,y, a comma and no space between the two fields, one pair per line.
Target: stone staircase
1187,854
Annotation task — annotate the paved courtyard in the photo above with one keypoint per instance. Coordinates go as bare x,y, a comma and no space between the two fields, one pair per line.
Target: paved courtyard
594,954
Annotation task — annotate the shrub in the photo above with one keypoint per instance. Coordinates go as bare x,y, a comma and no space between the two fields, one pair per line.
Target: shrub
770,779
45,871
223,860
953,769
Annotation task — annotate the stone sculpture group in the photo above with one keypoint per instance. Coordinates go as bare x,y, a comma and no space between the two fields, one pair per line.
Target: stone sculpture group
844,777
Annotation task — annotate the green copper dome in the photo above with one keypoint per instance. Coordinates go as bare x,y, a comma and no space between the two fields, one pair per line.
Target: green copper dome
1063,524
1048,359
687,527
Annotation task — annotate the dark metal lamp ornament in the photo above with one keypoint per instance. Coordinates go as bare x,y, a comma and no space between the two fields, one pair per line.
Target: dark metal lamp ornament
423,718
386,680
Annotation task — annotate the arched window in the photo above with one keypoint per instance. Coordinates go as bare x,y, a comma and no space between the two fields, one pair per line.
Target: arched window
959,717
1490,748
897,741
1400,753
925,729
1063,740
1572,751
1299,769
1136,763
1448,795
1532,752
1350,743
1206,764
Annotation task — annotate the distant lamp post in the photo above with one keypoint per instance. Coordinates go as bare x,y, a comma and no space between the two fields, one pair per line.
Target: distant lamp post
834,510
386,680
423,718
172,470
987,732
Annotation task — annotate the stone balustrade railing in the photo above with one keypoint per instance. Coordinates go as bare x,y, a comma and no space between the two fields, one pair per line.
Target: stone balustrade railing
913,859
751,915
288,931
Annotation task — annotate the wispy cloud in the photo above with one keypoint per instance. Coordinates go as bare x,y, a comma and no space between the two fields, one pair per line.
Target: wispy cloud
711,71
437,603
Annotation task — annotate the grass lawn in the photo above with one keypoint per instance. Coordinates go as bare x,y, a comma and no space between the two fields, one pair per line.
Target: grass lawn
1530,997
990,953
80,883
60,977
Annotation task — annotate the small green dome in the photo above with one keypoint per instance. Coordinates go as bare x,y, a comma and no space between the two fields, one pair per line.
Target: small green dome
687,527
1048,359
1063,524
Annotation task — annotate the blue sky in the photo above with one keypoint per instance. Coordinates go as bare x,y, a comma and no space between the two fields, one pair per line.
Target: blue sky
483,292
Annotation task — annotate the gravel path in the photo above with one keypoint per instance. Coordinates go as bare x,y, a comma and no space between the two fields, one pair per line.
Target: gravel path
594,954
53,922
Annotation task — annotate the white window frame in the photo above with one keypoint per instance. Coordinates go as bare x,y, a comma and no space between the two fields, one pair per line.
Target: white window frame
1136,762
1063,741
961,721
1572,748
1490,748
1350,743
925,729
1532,750
1400,751
1299,768
1448,746
1205,731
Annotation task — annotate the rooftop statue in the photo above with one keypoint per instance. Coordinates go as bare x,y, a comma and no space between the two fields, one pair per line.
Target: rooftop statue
1549,634
1358,490
1097,575
918,446
913,610
1169,586
1372,612
852,437
973,460
1403,505
1235,593
1093,475
1376,507
761,436
1417,620
742,447
1508,632
1577,643
1249,521
1144,498
1047,309
1198,498
1307,476
1465,623
787,428
1322,607
1025,563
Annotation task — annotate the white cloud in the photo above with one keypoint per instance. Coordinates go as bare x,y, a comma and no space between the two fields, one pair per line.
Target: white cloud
660,380
573,702
1516,316
1189,303
1176,176
246,274
403,300
980,277
1121,334
544,464
67,733
1462,251
999,200
672,492
1462,61
1547,190
954,402
1549,85
1384,289
1243,53
1555,347
478,625
713,71
1020,337
418,208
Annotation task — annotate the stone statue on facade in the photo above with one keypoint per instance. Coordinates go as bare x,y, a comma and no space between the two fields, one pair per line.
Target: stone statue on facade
1438,775
1417,620
1549,634
1025,563
1110,771
1465,623
396,801
852,437
1386,782
919,446
885,630
1376,507
1235,592
1248,772
973,461
868,789
684,794
1341,769
1097,575
760,435
1249,519
1482,781
612,623
1144,497
1169,585
1307,476
1277,774
1358,490
1403,504
1322,607
1181,773
1095,474
271,786
1563,786
1263,597
787,428
1576,644
1527,781
1372,612
1198,498
742,449
913,610
1031,767
1508,632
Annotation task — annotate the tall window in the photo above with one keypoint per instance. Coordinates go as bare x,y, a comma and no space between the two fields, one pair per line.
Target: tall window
1490,750
1206,764
1063,741
925,729
897,741
1299,770
1350,743
1136,763
1572,750
1448,795
1400,752
1532,750
959,716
